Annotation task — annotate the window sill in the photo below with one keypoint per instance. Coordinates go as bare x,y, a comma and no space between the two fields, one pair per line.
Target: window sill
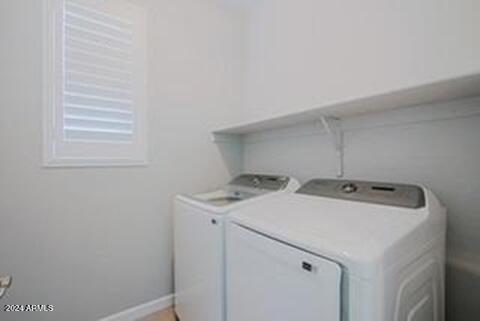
91,163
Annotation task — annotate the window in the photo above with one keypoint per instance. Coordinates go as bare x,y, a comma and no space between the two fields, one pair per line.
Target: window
95,87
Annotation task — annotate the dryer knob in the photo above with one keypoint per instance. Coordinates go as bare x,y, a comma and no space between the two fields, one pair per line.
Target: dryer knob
349,188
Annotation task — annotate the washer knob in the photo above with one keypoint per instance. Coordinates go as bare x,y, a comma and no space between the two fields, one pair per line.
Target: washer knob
349,188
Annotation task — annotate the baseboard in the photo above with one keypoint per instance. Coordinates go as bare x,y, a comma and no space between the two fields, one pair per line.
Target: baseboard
142,310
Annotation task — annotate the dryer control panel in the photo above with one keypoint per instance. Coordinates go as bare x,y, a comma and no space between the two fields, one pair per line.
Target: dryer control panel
401,195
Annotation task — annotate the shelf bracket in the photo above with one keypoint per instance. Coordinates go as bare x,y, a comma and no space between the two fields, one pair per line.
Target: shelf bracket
333,127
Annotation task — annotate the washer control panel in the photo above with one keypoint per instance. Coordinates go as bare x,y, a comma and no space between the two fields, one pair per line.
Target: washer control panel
266,182
400,195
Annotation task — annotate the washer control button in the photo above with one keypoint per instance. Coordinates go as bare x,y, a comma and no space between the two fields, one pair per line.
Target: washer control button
349,188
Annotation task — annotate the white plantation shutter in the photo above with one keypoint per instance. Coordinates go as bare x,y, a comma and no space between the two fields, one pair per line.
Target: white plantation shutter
97,64
98,97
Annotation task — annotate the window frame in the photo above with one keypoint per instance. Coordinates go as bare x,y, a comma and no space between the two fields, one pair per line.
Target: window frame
57,152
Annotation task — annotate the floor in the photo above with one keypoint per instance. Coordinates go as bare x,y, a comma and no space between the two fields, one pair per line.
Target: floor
165,315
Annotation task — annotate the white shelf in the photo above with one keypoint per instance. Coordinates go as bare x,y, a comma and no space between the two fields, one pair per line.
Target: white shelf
445,90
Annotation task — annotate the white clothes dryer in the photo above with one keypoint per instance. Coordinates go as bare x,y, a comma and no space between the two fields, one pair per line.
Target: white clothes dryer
338,251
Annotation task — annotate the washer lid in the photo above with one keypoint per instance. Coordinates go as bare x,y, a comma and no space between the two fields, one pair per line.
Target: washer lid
354,234
242,190
221,201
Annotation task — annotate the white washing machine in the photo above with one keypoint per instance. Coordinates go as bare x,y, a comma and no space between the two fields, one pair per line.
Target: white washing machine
199,248
338,251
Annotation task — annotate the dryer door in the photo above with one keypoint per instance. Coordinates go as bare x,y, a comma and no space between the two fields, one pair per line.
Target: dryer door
270,281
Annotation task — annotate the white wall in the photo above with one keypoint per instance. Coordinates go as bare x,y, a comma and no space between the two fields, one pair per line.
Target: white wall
94,241
307,52
442,152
